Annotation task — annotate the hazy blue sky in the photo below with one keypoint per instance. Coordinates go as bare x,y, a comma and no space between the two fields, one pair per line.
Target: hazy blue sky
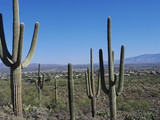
69,28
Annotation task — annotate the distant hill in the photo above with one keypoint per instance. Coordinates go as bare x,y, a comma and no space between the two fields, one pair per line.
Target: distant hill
47,67
143,59
34,68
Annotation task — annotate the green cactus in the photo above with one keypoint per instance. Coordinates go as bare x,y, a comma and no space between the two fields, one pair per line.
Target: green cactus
71,92
14,61
112,77
90,86
56,90
99,84
39,83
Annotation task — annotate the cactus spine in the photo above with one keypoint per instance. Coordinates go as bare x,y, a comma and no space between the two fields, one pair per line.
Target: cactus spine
14,61
71,92
39,83
90,86
112,78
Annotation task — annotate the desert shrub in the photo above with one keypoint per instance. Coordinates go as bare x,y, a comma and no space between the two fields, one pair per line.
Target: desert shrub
7,108
119,101
53,106
148,115
30,97
129,117
84,101
102,113
135,106
46,91
32,80
155,94
5,95
48,79
126,107
62,82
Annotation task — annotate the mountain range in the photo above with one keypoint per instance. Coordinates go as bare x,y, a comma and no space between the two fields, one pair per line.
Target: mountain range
141,59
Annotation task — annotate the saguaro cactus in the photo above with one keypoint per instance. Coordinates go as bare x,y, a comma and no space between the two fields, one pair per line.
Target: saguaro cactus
39,83
71,92
56,90
14,61
90,83
112,93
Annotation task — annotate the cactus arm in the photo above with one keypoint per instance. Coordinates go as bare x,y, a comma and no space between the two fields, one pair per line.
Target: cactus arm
20,44
4,53
121,72
43,80
113,59
39,70
15,30
8,62
32,48
2,37
115,79
36,84
43,77
87,84
103,83
99,84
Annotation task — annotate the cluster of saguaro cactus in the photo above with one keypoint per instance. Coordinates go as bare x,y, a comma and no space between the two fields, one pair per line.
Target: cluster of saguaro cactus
14,61
90,85
39,83
112,93
71,92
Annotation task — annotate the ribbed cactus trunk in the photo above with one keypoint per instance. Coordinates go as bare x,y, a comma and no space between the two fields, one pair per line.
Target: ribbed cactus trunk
71,92
39,96
14,61
56,91
16,71
112,91
39,84
93,99
16,95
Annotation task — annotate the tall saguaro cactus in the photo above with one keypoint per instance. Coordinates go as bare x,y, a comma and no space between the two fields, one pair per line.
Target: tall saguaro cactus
90,83
112,93
71,92
39,83
14,61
